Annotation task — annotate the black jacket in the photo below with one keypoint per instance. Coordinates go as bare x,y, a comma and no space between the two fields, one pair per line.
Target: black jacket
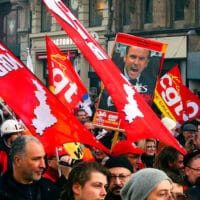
38,190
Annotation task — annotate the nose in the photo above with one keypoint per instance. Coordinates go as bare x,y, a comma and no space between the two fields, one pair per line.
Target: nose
103,191
42,163
136,61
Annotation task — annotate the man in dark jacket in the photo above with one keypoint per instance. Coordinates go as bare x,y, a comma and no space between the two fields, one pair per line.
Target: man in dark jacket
188,131
24,181
120,170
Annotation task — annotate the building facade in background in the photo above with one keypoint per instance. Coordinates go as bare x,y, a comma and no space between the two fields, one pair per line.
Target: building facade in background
24,24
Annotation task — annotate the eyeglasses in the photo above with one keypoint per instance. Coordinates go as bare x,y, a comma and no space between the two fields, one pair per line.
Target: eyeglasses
195,169
122,177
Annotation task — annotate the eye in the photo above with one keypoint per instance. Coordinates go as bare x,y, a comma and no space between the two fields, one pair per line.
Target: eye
163,194
97,185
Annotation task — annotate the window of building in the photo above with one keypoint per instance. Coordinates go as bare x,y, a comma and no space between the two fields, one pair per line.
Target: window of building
148,11
73,6
96,8
126,12
179,10
45,19
10,26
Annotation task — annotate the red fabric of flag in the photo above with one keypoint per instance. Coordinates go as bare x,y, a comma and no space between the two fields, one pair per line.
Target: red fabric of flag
45,116
64,80
174,99
191,102
137,117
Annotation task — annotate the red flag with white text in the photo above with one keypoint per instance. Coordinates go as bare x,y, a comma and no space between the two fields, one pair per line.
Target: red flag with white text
63,79
43,114
174,99
138,119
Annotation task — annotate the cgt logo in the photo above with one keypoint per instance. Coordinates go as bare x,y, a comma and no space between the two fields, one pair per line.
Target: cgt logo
61,82
170,93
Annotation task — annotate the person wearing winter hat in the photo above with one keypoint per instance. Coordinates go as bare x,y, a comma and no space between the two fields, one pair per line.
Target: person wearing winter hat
120,170
148,184
187,132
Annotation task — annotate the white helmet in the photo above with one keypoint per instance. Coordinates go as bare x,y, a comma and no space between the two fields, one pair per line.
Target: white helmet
11,126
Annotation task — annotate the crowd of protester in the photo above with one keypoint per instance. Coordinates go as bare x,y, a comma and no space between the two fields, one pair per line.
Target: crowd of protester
143,170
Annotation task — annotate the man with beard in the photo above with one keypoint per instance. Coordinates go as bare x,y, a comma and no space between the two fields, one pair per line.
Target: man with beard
170,161
25,180
120,170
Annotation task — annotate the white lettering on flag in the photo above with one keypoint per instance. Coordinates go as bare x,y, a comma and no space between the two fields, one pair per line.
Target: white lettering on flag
7,64
61,83
72,21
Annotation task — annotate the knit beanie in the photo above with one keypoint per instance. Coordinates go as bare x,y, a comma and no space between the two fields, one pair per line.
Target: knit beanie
142,183
119,161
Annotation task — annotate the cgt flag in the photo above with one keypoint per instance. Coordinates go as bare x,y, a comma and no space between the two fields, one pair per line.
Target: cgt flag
174,99
63,79
138,120
45,116
191,104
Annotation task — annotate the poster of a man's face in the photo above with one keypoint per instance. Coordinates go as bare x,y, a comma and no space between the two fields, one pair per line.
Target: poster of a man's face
140,61
135,60
141,66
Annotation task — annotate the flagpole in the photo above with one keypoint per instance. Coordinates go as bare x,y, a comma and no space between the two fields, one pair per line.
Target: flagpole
6,108
29,62
57,158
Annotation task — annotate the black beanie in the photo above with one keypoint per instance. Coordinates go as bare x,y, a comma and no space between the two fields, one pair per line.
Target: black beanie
119,161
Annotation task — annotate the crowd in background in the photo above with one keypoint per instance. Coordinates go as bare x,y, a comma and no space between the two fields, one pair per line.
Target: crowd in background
143,170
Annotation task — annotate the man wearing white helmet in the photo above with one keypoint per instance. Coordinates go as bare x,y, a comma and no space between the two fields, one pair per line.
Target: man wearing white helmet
10,130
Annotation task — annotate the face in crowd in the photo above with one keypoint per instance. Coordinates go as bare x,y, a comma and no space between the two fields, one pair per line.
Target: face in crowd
151,147
118,178
30,167
81,115
162,192
94,188
136,59
192,169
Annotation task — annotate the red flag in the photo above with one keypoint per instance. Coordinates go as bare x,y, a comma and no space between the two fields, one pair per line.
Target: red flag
191,102
45,116
167,94
137,117
174,99
66,83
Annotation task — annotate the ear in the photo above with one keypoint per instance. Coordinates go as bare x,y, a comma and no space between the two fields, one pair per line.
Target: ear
124,58
186,171
76,188
17,160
